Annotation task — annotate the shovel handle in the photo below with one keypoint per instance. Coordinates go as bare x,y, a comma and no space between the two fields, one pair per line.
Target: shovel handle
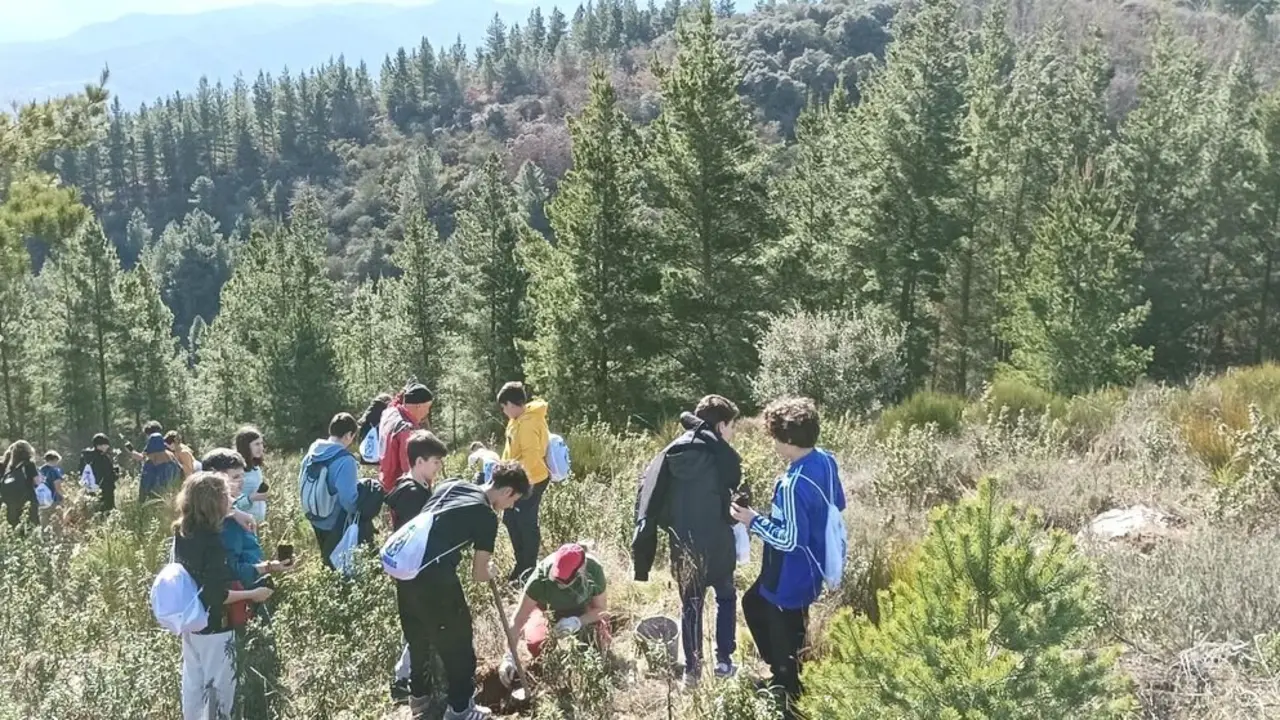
506,633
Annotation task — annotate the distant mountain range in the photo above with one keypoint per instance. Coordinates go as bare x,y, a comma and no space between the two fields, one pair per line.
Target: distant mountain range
154,55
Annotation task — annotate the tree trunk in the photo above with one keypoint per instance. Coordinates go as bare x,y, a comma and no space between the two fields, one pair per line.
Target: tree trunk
1260,352
966,285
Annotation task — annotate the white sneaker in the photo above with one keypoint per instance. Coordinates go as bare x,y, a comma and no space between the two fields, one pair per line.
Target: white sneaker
473,712
726,670
691,680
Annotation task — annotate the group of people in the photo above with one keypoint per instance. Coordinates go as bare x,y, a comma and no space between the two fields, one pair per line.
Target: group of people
165,462
692,492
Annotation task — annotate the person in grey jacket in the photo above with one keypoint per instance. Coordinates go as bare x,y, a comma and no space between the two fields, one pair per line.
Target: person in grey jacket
687,491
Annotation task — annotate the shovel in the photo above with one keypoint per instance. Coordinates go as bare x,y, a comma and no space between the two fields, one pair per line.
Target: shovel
521,693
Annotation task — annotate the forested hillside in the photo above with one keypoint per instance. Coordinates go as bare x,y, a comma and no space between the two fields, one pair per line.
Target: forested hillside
622,203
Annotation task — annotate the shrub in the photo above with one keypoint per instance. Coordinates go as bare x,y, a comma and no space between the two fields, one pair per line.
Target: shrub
850,363
994,621
735,699
1087,417
914,467
1213,411
942,410
1014,395
1207,585
1250,492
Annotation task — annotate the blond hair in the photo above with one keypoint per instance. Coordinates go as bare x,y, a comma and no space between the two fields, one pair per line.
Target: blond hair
202,504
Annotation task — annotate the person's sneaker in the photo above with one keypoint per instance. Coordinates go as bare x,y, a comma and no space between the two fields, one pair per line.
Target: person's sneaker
473,712
400,693
691,680
426,707
725,670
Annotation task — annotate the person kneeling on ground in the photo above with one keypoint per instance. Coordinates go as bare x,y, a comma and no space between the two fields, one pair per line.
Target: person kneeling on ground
569,585
433,607
406,500
329,510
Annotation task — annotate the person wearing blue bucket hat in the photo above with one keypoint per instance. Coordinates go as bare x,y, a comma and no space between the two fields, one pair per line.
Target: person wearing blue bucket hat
159,470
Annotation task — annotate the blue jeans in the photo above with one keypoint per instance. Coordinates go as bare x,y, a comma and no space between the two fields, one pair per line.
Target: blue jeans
693,597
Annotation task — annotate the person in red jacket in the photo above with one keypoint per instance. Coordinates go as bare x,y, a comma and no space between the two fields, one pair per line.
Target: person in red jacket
407,413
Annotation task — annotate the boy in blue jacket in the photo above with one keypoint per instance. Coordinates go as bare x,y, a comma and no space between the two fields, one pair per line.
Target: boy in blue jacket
340,482
776,607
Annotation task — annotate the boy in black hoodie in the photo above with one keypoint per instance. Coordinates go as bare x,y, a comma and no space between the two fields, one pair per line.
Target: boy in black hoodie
687,491
408,497
99,459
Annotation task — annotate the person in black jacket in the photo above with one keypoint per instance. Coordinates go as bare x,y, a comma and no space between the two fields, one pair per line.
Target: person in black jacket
208,659
687,491
18,474
406,500
106,472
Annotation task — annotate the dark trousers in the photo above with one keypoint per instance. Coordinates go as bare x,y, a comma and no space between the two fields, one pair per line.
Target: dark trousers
435,619
107,497
328,540
15,507
779,636
693,598
526,534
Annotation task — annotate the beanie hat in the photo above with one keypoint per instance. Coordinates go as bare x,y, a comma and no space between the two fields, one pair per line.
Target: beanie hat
566,562
101,439
416,394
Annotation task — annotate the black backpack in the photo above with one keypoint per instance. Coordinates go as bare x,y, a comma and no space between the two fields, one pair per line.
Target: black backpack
16,485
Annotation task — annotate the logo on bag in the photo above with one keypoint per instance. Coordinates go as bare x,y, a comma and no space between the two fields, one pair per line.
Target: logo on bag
395,546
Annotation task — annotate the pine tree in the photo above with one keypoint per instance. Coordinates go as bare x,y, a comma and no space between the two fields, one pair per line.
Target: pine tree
370,341
592,291
1267,224
911,118
423,300
557,27
296,347
532,194
148,367
1228,193
1078,310
490,231
87,332
714,213
818,198
997,618
270,352
1159,151
971,306
190,263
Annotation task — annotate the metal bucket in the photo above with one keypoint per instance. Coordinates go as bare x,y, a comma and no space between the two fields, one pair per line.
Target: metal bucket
661,635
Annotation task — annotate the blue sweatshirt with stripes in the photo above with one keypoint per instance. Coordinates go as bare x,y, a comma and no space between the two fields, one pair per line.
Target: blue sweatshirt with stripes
794,533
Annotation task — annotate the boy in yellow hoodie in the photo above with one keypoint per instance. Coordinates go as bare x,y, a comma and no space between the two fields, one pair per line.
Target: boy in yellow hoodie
527,440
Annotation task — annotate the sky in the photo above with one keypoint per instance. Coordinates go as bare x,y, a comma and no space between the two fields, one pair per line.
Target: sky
35,20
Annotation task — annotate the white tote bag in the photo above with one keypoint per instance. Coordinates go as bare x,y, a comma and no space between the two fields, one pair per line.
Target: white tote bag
343,555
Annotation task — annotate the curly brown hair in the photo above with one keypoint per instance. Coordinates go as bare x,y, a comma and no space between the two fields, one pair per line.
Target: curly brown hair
202,504
793,421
